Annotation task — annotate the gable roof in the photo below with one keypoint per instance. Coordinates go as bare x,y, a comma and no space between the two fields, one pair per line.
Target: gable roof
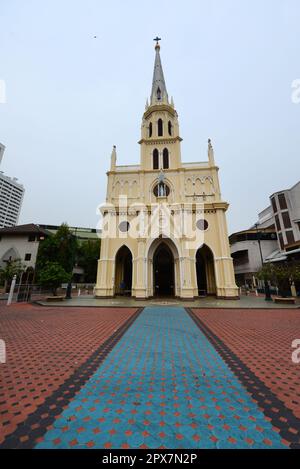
29,228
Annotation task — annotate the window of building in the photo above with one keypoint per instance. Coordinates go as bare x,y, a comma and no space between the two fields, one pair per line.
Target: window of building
277,223
202,224
274,206
27,257
158,93
160,128
161,190
31,238
155,159
170,127
286,220
150,129
281,241
290,237
165,158
124,226
282,201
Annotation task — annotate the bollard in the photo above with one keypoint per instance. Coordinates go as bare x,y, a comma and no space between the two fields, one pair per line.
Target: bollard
11,291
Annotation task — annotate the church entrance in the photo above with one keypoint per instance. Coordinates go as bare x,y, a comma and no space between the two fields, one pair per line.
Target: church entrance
123,272
163,271
205,271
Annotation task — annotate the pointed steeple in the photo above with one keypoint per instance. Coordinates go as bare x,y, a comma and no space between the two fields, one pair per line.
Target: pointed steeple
159,91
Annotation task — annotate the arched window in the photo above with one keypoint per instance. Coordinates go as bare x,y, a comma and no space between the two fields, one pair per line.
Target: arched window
160,128
150,129
155,159
166,158
170,127
161,190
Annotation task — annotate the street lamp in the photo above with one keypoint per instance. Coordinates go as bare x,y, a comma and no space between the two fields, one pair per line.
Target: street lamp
266,284
69,286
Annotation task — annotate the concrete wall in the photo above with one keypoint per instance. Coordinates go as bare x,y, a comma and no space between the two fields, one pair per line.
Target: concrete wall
17,247
254,257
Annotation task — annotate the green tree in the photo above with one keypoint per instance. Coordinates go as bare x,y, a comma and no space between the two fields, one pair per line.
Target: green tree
12,267
52,275
295,273
87,258
60,248
266,273
282,274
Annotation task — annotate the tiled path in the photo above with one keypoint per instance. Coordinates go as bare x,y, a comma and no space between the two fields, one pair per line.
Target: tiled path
45,346
263,341
163,379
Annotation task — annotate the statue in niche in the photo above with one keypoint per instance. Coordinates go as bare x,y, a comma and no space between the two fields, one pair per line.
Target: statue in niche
161,184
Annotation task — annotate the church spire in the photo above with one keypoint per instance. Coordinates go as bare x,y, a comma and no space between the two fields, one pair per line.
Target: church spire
159,91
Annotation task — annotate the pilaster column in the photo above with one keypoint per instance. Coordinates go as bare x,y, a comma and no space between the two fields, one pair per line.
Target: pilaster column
140,288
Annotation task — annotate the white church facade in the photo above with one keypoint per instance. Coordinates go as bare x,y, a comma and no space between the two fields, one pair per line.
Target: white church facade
164,224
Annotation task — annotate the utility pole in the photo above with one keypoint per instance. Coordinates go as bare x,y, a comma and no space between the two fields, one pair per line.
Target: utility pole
266,284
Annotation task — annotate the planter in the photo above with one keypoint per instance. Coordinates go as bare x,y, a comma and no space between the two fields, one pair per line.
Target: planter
285,301
54,298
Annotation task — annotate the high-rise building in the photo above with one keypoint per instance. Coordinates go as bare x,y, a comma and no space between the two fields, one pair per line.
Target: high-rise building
11,197
286,209
2,148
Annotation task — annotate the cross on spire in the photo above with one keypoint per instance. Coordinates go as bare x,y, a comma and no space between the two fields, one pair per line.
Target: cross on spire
159,91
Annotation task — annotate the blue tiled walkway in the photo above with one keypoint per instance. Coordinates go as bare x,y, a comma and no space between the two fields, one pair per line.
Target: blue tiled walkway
163,385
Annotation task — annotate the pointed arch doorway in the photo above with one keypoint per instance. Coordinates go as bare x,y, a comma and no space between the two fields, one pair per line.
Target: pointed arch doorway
163,275
163,271
123,272
205,270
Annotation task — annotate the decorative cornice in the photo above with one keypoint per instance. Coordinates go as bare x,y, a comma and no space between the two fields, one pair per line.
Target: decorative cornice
160,140
159,107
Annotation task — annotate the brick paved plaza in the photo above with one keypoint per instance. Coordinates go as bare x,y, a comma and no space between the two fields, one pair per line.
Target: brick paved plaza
153,377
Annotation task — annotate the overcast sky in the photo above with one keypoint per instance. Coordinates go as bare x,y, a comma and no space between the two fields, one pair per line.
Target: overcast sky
229,64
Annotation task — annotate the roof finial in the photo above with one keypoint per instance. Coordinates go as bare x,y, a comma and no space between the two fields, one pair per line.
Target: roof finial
211,156
113,159
157,39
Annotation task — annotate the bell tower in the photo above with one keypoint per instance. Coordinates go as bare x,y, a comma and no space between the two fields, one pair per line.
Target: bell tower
160,139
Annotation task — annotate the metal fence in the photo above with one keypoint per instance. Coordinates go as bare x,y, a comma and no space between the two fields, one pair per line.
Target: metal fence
26,292
29,292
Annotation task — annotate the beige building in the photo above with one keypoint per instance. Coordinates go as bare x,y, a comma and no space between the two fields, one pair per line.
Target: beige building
164,226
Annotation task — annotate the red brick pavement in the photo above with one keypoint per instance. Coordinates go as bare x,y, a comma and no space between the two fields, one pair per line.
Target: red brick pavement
262,340
45,345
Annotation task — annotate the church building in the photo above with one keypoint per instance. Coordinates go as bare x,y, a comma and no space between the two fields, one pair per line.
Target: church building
164,225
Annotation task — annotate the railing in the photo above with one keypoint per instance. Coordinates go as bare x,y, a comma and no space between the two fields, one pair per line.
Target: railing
24,292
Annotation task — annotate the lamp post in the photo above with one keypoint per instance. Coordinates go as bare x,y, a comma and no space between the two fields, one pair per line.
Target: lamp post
69,286
266,284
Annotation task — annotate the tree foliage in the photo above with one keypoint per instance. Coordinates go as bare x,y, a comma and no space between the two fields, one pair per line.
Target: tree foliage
12,267
52,275
87,258
281,275
60,248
